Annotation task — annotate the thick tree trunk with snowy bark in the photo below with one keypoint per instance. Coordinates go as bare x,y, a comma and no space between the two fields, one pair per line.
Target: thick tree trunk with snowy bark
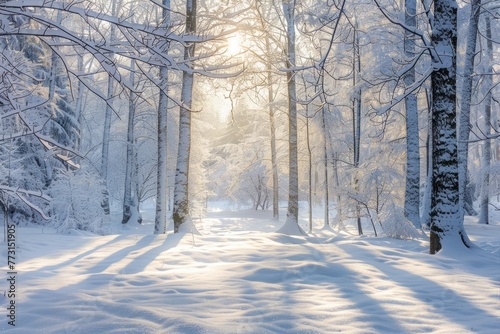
486,161
412,191
161,171
447,228
181,192
466,97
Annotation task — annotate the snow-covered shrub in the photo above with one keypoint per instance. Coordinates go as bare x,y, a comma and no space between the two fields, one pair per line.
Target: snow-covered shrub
396,225
76,202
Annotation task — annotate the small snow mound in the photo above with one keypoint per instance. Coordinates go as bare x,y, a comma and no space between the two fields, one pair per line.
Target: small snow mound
327,228
189,227
291,228
79,232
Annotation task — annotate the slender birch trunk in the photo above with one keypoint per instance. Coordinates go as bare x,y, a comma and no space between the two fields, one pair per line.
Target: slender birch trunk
107,123
271,112
292,217
128,198
162,137
325,170
466,97
181,192
272,125
79,105
486,161
135,181
293,184
309,172
412,190
356,122
426,202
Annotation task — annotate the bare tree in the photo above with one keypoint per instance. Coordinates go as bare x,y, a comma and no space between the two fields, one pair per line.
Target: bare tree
292,223
447,227
412,189
486,161
181,192
465,105
129,200
162,135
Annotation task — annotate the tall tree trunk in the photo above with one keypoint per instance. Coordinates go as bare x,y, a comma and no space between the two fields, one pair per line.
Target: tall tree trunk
292,217
356,122
485,166
79,105
271,112
293,183
107,123
105,146
181,192
271,109
466,97
426,202
446,219
135,181
162,136
325,165
128,198
412,190
274,162
309,172
336,176
272,125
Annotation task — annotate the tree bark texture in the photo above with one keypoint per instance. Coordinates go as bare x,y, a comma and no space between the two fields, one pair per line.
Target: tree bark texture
466,98
293,183
162,137
128,198
486,161
412,189
446,218
181,192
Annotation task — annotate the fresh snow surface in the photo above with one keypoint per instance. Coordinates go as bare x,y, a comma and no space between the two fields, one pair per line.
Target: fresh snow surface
239,276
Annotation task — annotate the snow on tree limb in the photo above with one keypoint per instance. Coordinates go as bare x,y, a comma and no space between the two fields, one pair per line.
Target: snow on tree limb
18,193
408,91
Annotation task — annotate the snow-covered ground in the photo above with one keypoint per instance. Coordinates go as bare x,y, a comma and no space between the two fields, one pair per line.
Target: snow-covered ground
240,277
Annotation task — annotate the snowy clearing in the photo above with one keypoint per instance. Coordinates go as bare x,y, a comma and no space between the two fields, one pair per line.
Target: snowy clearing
240,277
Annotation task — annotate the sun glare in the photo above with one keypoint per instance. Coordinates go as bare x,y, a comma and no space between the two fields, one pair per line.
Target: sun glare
233,46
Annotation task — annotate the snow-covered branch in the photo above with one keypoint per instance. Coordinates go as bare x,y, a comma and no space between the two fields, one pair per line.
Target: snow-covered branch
409,90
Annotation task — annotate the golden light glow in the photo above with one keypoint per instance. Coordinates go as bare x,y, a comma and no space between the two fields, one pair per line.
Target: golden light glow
234,45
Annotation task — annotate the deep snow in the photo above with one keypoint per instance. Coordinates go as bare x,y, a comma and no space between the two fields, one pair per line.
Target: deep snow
239,276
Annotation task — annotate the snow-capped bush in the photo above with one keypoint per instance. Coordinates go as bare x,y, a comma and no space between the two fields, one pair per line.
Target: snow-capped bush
76,202
396,225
